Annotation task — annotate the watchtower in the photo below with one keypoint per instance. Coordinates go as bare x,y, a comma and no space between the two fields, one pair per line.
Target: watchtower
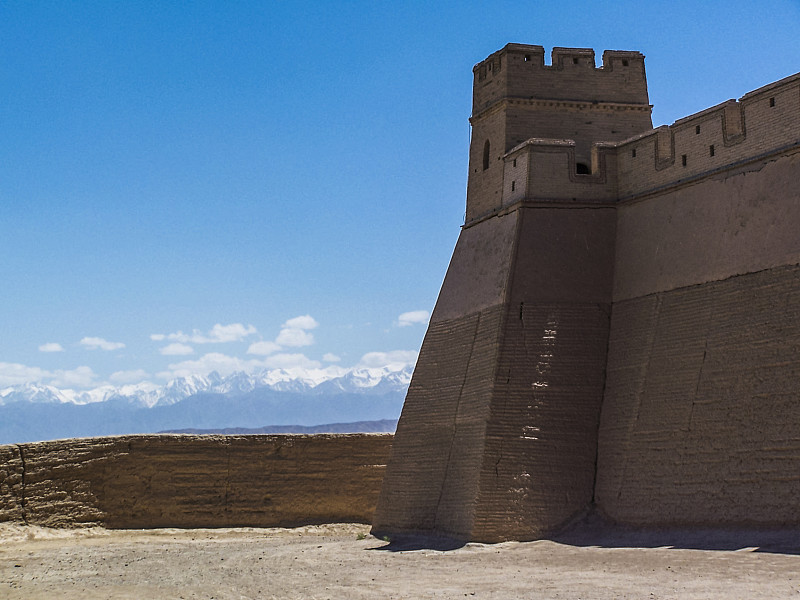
516,97
506,395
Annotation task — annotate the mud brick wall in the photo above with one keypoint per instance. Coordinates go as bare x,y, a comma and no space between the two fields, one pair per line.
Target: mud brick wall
143,481
701,415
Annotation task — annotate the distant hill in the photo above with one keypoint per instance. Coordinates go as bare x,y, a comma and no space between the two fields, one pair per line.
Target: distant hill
381,426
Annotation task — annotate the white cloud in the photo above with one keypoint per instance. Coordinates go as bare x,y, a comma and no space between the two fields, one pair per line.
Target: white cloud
263,348
176,349
396,359
294,332
51,347
328,357
82,377
290,361
96,343
218,334
123,377
301,322
229,333
294,338
17,374
414,317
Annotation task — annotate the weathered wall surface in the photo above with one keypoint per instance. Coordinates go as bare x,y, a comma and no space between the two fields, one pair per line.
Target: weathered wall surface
702,402
497,439
144,481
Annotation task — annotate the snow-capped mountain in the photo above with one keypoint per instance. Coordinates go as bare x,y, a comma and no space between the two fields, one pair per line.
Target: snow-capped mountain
356,380
32,412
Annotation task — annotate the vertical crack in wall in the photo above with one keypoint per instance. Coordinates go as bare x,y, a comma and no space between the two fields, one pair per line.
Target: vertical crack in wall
702,365
642,387
23,491
455,422
607,310
226,507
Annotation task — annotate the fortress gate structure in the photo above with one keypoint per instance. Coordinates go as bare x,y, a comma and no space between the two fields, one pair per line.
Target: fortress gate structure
619,326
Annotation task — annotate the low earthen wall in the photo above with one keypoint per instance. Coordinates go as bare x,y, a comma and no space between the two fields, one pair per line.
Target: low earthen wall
142,481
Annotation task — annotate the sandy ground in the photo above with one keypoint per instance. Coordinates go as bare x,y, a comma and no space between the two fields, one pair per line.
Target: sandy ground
331,561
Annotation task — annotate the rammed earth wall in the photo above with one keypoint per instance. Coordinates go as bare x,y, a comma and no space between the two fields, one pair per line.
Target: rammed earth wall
619,326
143,481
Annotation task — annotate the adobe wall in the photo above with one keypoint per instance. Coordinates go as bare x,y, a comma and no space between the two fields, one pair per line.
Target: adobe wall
143,481
702,401
497,439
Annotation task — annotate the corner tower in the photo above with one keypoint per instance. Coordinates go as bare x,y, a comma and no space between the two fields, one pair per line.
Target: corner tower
506,394
515,97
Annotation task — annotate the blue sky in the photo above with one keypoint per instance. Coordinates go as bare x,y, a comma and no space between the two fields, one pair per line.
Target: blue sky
169,167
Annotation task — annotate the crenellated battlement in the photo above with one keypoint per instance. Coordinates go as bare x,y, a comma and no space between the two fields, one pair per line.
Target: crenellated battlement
519,71
762,122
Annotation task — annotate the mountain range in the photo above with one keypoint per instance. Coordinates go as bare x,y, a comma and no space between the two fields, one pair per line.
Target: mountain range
34,412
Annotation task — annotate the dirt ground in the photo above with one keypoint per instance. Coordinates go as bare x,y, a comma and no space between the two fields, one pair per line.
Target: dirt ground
343,561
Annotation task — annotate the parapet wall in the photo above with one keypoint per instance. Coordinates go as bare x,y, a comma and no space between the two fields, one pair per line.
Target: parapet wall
143,481
762,123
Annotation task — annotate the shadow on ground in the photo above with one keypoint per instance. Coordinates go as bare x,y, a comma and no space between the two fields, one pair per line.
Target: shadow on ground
595,531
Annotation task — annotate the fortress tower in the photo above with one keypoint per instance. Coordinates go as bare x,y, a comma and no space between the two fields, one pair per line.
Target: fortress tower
582,346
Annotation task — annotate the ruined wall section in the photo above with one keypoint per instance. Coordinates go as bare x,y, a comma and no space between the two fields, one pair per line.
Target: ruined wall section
144,481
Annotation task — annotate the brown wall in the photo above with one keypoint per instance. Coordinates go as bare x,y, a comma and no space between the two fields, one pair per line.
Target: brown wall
702,402
144,481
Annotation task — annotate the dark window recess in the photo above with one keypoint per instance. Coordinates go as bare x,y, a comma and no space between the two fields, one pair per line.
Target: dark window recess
633,153
486,155
515,162
513,185
527,57
574,61
624,63
582,169
711,150
683,159
772,102
697,129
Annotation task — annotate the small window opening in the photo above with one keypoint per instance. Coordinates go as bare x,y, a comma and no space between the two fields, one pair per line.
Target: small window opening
515,162
513,185
490,66
574,61
711,150
486,155
582,169
683,159
624,62
633,153
527,57
771,102
697,129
